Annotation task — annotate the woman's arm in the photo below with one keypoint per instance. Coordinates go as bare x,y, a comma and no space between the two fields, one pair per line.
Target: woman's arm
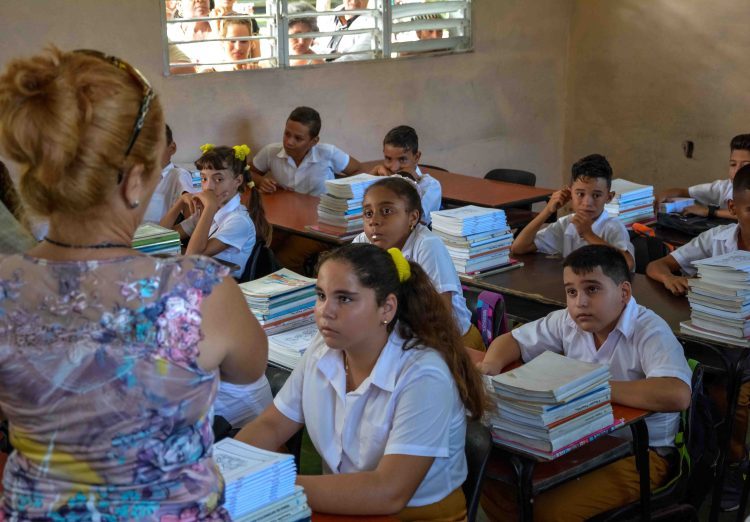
384,491
269,430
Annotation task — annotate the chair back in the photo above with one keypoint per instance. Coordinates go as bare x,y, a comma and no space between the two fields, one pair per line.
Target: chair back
522,177
260,263
478,448
647,249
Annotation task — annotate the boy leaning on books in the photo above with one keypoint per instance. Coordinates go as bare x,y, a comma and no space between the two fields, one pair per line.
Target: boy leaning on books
602,323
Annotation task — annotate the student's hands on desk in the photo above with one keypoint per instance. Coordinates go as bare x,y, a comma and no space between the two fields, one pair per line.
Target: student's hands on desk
676,284
265,183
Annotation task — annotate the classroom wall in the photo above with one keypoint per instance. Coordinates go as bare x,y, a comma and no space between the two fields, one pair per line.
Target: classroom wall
645,75
499,106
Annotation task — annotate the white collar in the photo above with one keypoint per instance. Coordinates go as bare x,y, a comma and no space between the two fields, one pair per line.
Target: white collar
166,169
625,323
730,234
228,208
311,156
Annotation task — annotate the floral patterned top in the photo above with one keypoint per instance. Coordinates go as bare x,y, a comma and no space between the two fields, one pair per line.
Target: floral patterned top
110,414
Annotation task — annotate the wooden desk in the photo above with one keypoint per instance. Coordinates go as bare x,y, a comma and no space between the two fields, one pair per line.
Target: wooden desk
293,211
459,189
325,517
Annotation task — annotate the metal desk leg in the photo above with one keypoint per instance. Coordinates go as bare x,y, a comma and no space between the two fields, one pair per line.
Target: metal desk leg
524,469
640,442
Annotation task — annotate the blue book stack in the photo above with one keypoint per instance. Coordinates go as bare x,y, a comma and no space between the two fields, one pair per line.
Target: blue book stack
281,301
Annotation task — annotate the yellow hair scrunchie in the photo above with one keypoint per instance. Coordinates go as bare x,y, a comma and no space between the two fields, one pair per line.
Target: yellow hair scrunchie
402,265
207,147
241,151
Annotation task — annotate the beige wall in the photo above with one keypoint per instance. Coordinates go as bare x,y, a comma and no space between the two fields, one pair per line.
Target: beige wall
644,75
502,105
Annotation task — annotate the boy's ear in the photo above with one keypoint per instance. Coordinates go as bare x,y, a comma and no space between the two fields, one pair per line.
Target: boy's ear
610,195
315,140
731,207
417,156
172,148
626,290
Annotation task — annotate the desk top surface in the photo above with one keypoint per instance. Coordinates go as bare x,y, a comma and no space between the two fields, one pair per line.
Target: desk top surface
325,517
293,212
469,190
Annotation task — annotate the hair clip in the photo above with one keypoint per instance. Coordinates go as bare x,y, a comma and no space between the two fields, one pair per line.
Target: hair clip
251,185
402,265
206,147
241,151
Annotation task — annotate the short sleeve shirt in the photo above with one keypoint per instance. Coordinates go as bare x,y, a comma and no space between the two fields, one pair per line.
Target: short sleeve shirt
561,237
640,346
715,193
713,242
408,405
320,164
432,195
174,181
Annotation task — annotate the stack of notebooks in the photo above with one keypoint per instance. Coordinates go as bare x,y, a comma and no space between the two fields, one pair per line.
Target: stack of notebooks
150,238
633,203
285,349
258,484
551,405
340,209
478,239
720,299
281,301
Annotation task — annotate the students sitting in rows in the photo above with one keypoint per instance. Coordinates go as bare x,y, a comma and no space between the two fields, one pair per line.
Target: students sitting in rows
712,199
401,154
589,224
602,323
392,214
175,181
219,224
383,392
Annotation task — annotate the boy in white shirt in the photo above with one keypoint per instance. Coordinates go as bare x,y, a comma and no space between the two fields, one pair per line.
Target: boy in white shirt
602,323
401,155
674,269
589,224
300,163
174,182
712,199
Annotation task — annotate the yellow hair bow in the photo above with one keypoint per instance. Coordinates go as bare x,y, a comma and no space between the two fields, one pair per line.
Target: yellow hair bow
250,185
241,151
402,265
206,147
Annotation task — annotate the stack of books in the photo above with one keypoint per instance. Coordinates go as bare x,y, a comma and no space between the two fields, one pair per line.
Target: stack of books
258,484
286,349
281,301
340,209
720,299
478,239
675,205
633,203
551,405
152,239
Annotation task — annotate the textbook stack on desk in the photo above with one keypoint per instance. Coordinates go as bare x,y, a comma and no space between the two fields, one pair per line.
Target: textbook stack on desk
153,239
285,349
478,239
551,405
720,299
633,203
340,209
259,484
281,301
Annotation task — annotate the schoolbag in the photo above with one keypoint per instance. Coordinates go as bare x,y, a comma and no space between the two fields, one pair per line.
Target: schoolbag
487,313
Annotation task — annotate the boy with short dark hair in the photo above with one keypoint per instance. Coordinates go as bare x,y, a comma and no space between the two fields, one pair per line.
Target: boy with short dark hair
300,163
401,154
173,183
711,199
602,323
589,224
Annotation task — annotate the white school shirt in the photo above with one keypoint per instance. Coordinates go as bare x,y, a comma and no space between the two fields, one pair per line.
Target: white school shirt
641,345
713,242
241,403
432,194
320,164
408,405
346,42
715,193
428,250
233,227
561,237
174,181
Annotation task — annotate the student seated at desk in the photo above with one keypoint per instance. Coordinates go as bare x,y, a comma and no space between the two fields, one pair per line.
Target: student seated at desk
602,323
674,269
392,212
300,163
589,224
383,391
401,154
712,199
219,225
175,181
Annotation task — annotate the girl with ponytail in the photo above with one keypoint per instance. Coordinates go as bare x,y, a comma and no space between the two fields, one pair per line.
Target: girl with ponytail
383,391
219,224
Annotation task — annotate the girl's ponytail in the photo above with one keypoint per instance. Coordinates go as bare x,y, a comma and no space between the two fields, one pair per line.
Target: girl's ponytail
263,228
